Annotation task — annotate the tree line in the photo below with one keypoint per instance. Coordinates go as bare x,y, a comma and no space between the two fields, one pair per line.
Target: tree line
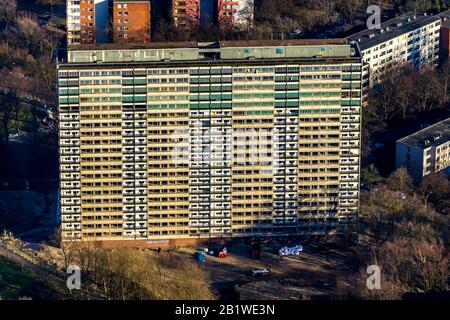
403,230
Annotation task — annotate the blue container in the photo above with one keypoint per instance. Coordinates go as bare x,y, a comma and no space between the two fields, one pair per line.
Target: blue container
201,257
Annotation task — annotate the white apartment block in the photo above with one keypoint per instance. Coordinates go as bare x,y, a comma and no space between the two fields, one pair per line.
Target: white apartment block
426,151
411,38
73,21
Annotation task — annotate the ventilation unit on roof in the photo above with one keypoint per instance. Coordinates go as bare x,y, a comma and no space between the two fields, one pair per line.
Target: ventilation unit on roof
399,24
371,35
437,137
426,142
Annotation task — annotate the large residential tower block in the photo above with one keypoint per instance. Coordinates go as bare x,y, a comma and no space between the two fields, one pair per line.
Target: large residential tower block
180,142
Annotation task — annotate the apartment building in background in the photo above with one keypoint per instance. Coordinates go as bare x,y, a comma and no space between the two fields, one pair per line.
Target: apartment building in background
106,21
131,21
426,151
185,13
234,13
87,21
445,36
412,38
180,142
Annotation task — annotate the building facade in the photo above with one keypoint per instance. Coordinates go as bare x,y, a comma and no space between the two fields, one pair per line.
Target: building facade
445,36
106,21
87,21
409,39
180,142
235,13
185,13
131,21
426,151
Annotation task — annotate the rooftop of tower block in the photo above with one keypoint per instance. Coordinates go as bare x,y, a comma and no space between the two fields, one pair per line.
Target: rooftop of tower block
195,44
432,136
204,51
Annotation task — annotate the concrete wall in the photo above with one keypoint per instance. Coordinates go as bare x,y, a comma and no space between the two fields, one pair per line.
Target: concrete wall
414,163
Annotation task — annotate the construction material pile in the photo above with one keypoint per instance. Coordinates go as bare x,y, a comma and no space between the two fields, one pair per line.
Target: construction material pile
290,251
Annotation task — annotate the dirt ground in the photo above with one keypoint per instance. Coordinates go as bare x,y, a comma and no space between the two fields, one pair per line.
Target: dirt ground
317,268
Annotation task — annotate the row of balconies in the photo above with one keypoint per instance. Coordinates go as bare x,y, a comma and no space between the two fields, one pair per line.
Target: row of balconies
68,117
133,184
68,126
70,218
70,226
213,223
288,188
134,116
68,134
135,175
140,142
138,150
70,210
209,198
68,143
70,193
134,134
135,159
133,192
209,206
135,209
134,201
135,217
133,125
137,167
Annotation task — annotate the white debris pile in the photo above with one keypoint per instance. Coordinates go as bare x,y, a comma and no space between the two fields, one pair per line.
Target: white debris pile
291,251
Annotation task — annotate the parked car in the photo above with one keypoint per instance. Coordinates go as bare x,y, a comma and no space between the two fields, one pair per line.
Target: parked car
261,272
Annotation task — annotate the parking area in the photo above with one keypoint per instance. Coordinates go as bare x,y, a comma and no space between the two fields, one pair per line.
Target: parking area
318,266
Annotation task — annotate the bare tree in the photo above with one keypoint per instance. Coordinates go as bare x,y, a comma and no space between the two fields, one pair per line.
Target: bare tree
8,12
9,106
400,180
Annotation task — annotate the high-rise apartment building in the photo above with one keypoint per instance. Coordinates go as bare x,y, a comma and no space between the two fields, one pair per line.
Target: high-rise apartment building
180,142
185,13
412,38
426,151
235,13
131,21
87,21
105,21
